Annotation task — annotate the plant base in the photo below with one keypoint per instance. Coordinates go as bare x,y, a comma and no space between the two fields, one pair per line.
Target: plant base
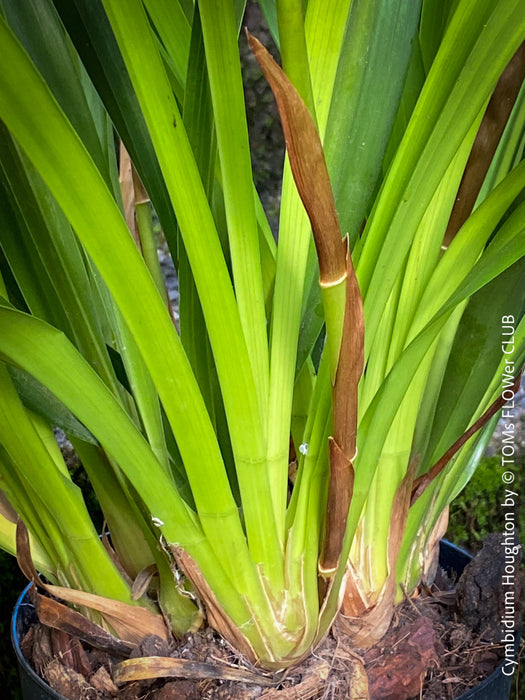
393,669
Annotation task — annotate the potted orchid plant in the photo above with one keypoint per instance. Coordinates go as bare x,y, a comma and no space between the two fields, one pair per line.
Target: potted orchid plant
288,448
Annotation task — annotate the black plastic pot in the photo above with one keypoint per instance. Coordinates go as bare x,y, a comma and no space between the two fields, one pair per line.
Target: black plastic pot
33,687
496,686
451,558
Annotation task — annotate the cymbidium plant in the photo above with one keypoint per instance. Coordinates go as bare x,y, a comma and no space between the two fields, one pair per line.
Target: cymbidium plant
292,445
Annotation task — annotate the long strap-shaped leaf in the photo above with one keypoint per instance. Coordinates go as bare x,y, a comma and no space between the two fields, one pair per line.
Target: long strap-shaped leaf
45,252
167,15
211,276
71,379
90,31
40,127
370,77
90,400
42,34
36,467
481,39
219,31
371,70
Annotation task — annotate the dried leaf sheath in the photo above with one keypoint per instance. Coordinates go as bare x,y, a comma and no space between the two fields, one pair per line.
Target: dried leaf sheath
131,622
350,366
308,166
127,187
340,491
422,482
53,614
167,667
343,306
488,137
367,620
344,406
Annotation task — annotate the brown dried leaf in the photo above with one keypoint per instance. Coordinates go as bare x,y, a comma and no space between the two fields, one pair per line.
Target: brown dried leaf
141,196
340,490
169,667
59,617
425,480
351,365
217,618
114,556
23,555
487,139
142,581
128,192
308,166
134,193
131,622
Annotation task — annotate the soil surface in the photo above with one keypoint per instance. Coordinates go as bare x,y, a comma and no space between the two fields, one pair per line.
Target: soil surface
440,643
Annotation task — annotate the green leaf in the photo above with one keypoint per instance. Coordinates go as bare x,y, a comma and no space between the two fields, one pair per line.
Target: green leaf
324,28
451,100
435,17
75,183
62,499
198,118
40,400
223,66
270,15
174,31
90,31
369,82
46,259
39,29
474,358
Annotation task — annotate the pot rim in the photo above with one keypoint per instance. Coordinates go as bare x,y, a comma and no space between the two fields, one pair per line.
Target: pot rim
22,661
